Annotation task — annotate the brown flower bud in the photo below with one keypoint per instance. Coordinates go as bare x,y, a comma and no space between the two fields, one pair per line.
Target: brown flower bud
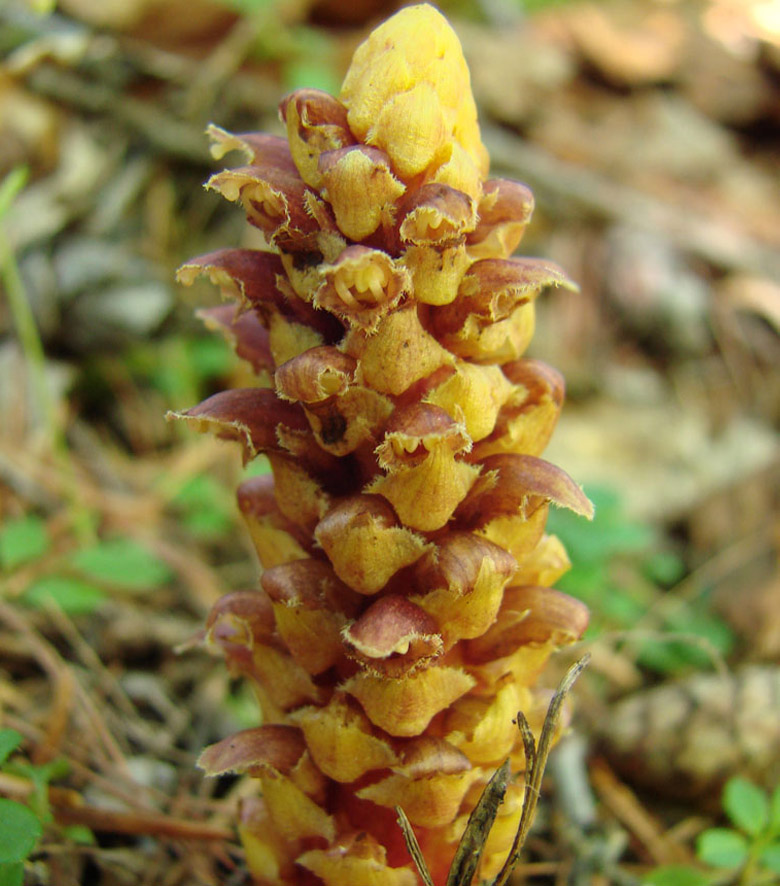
530,615
504,212
316,123
315,375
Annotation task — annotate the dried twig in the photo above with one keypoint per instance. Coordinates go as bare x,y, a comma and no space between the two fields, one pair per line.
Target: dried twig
536,773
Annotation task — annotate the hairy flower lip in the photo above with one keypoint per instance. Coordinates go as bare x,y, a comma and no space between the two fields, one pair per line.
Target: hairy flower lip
342,740
412,432
512,483
252,416
436,214
404,706
274,746
361,286
393,628
493,288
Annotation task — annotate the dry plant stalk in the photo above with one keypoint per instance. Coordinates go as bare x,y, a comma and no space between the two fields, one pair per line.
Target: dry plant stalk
405,607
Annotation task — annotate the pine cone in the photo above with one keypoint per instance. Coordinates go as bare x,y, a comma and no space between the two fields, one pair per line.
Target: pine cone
405,607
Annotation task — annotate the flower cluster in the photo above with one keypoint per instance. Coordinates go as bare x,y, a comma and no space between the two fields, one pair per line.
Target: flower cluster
405,607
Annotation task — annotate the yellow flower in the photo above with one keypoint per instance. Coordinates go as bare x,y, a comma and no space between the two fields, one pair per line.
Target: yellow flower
405,608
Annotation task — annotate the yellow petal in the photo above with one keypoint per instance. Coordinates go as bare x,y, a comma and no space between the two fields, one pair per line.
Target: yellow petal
341,740
404,706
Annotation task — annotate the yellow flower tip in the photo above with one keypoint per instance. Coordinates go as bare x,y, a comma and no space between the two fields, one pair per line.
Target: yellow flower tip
408,92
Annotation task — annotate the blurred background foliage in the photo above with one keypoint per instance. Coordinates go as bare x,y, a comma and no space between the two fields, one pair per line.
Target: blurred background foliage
648,130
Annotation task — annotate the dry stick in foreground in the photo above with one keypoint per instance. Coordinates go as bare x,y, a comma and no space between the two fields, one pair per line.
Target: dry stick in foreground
467,855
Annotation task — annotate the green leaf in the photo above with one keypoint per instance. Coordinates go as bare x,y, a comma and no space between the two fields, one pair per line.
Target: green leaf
675,653
210,357
676,875
746,805
20,830
207,506
12,874
122,562
609,533
722,848
23,540
80,834
72,595
774,813
257,468
770,857
664,568
10,740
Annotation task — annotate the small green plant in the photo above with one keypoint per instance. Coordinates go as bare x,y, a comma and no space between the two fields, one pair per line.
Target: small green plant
622,571
747,854
78,581
21,825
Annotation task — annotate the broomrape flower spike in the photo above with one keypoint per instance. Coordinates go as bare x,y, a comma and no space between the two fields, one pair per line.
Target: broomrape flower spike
406,608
